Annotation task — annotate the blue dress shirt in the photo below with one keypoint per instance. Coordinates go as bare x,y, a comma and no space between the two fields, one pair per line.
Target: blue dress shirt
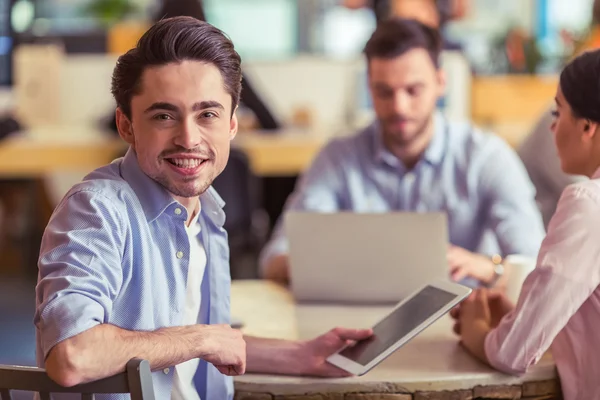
476,178
116,252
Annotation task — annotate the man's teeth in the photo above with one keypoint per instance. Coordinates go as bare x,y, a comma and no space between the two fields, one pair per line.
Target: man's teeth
186,162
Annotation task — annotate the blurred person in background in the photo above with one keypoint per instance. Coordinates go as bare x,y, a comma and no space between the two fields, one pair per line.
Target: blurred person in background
559,304
538,151
413,159
433,13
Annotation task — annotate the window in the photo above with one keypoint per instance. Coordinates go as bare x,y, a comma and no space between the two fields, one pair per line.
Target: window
345,32
258,28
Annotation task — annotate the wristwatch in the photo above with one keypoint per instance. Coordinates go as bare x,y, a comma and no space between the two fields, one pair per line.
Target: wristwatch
498,269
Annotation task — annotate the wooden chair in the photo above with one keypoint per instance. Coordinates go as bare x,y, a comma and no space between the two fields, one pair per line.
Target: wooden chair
136,380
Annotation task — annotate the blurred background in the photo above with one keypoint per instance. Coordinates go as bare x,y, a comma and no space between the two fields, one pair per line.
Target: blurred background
304,82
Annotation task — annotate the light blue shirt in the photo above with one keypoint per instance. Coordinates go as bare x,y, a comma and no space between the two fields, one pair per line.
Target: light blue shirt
476,178
540,157
116,251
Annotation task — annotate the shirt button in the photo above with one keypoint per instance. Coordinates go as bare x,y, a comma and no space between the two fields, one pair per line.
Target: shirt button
179,254
178,211
166,371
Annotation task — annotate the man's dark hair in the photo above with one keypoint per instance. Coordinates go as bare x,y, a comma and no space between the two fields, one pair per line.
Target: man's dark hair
174,40
396,36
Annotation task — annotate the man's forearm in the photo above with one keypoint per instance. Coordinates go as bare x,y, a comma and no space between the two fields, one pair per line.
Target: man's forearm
105,350
273,356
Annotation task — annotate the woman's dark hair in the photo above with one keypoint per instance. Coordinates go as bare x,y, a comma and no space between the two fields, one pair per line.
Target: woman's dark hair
580,85
396,36
174,40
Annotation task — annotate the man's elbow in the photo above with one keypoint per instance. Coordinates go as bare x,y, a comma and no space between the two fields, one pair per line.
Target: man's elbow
64,366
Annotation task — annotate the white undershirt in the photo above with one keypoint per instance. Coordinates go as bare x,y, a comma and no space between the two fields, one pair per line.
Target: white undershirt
183,379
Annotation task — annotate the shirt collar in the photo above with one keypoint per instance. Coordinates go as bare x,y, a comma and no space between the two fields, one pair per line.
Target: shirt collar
197,212
434,152
155,199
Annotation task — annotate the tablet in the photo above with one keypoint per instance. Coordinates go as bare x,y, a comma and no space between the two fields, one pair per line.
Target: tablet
405,321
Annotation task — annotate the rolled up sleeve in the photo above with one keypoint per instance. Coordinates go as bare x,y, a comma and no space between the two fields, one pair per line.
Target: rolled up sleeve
80,270
565,277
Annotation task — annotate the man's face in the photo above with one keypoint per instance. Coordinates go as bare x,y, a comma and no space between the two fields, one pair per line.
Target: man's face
181,126
405,90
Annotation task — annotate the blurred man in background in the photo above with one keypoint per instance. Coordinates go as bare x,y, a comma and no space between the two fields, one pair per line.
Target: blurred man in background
412,159
433,13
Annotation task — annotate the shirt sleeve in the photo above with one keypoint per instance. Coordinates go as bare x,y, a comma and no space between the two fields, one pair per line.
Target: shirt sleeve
80,271
319,189
539,157
509,200
566,275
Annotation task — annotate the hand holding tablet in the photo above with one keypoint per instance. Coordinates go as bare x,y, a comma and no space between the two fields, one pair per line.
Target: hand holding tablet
411,316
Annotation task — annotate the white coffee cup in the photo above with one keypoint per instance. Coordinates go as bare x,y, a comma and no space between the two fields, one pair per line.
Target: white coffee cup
519,267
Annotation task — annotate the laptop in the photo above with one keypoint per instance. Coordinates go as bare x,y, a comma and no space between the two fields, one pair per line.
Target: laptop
348,257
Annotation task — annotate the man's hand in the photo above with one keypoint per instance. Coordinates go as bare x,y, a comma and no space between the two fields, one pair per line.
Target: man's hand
292,357
313,353
463,263
225,349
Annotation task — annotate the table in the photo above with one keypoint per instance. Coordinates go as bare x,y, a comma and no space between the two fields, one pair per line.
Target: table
431,366
33,154
286,153
37,152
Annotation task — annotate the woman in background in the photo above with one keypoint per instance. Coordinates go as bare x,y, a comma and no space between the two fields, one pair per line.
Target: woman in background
559,305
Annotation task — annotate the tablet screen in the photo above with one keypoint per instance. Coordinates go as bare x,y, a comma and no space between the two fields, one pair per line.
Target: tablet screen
398,324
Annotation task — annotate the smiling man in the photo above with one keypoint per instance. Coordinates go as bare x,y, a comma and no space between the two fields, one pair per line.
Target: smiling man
412,159
134,261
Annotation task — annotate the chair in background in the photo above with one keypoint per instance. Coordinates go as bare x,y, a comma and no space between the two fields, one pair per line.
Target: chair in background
136,380
246,223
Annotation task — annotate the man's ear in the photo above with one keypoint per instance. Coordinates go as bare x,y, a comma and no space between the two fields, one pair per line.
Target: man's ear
125,127
233,125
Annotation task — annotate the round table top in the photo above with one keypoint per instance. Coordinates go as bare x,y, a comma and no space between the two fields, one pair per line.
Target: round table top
432,361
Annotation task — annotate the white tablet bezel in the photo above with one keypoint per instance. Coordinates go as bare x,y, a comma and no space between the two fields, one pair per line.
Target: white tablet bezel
355,368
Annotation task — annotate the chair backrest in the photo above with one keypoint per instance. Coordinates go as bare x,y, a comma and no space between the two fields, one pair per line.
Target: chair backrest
136,380
237,186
